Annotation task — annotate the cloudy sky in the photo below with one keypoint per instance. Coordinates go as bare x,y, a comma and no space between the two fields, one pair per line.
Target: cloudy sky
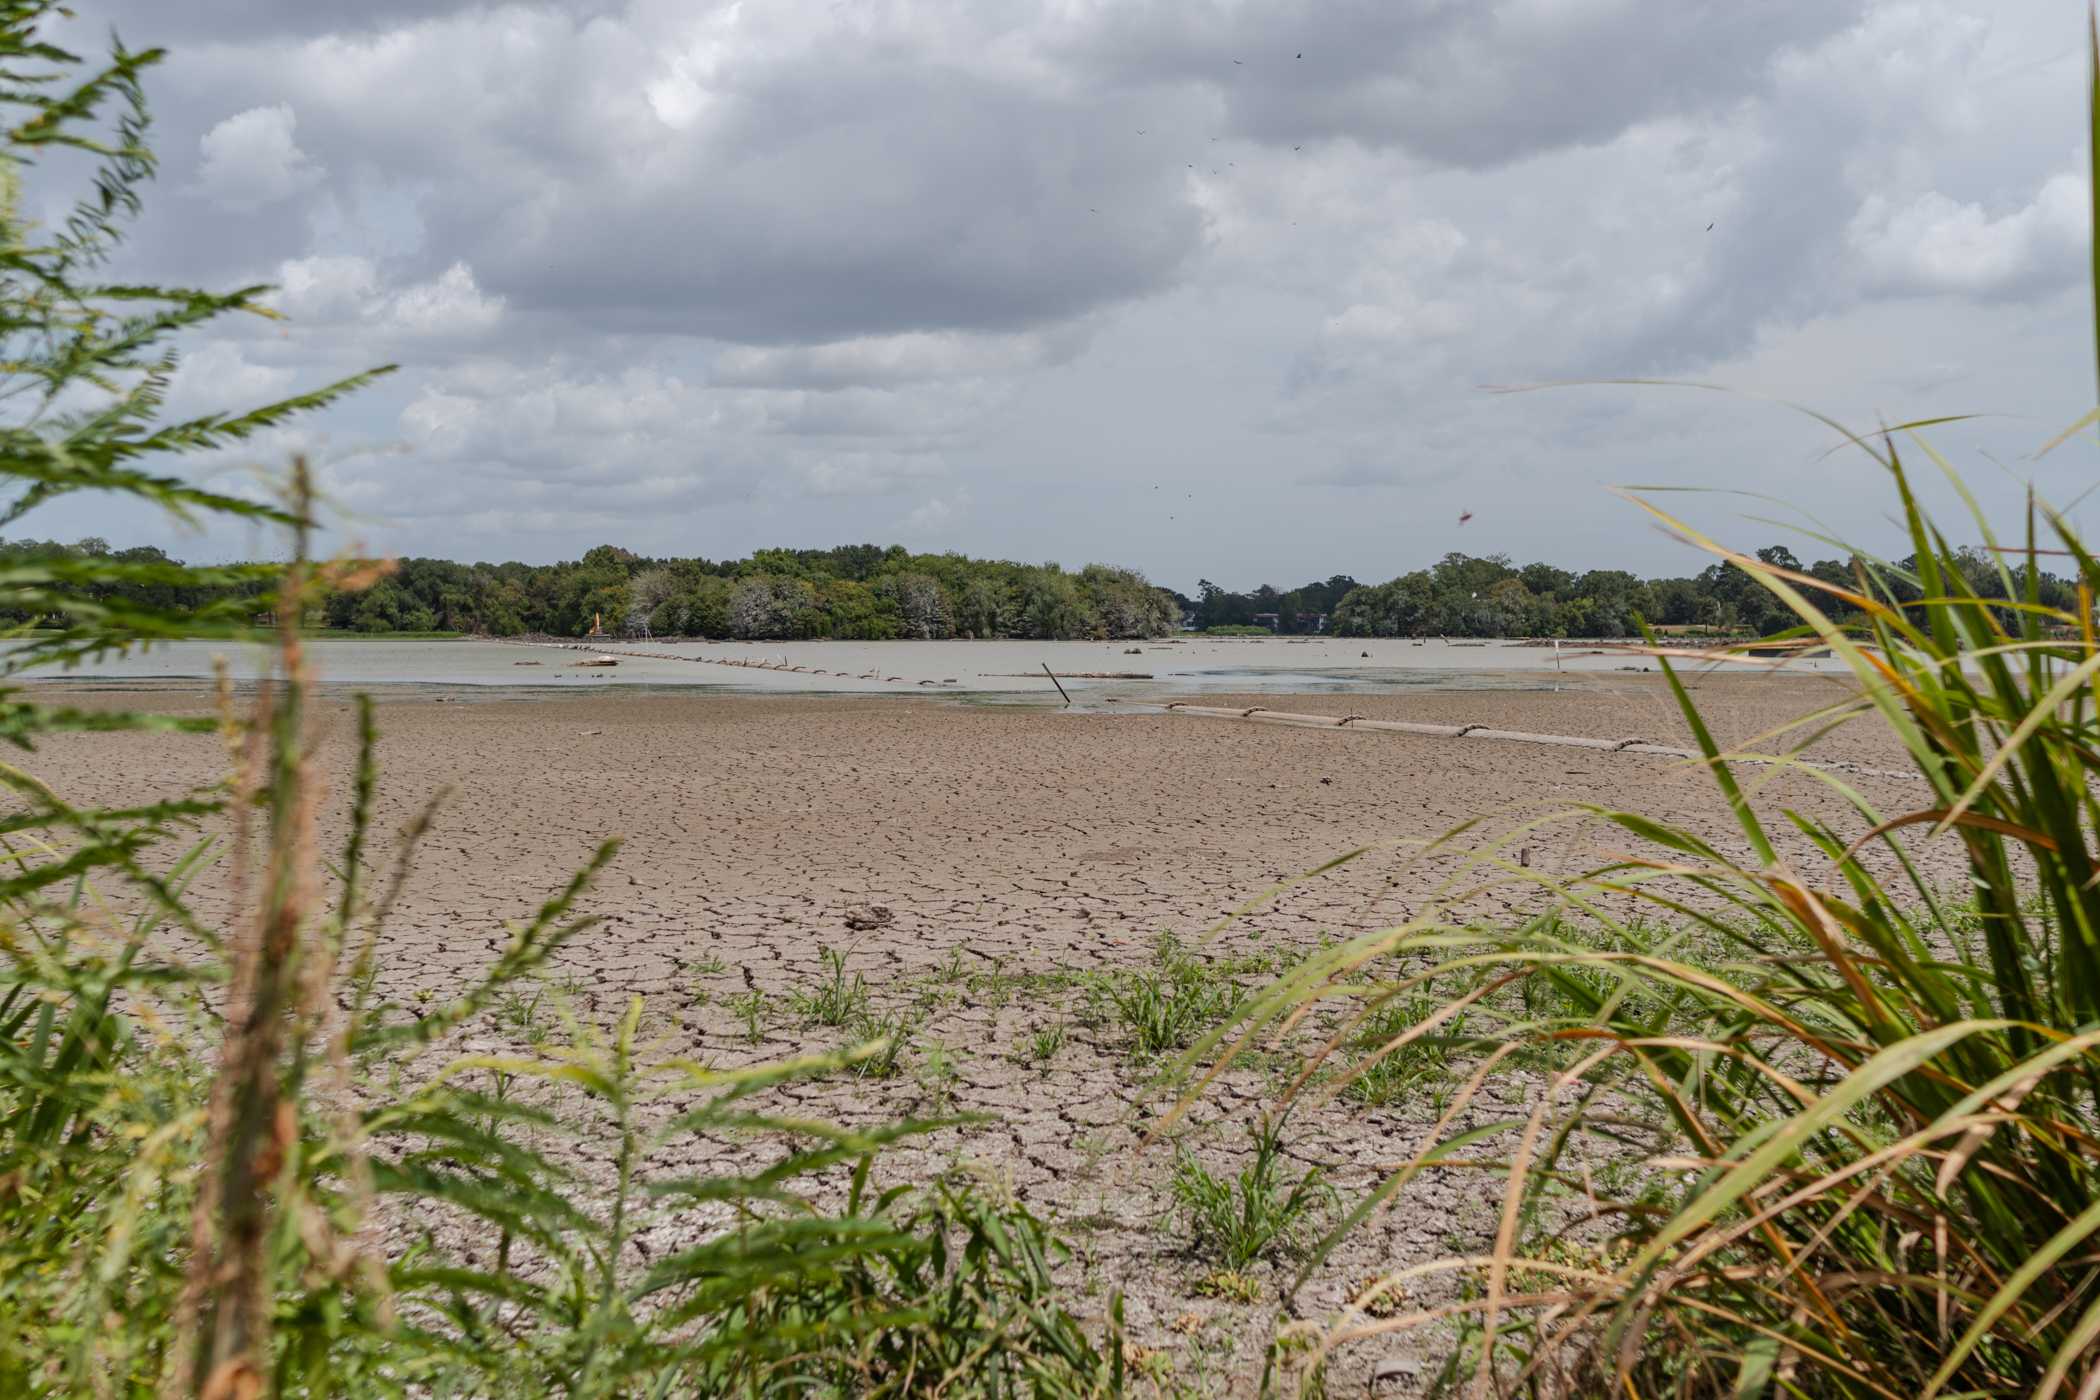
1210,287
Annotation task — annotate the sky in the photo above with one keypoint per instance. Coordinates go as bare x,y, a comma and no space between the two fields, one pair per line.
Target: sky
1213,288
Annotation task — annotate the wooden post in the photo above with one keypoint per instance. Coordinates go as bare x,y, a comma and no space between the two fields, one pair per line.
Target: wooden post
1056,682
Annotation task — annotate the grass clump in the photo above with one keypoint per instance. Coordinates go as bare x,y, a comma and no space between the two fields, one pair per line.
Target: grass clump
1397,1066
887,1038
1042,1044
1166,1006
754,1008
1260,1213
838,1000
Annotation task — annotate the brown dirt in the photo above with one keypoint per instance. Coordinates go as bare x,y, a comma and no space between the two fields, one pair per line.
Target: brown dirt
1032,841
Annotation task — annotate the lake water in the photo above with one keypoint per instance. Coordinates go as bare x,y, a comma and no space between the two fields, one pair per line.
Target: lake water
995,670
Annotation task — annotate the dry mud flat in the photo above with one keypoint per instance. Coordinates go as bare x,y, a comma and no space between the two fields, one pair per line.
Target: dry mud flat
1022,853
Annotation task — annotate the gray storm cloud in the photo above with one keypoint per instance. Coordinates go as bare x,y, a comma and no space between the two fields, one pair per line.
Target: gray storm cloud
1005,277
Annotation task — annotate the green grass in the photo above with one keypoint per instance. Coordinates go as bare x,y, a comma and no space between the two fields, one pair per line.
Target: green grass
838,1000
1411,1071
891,1035
754,1008
1042,1044
1262,1212
1167,1006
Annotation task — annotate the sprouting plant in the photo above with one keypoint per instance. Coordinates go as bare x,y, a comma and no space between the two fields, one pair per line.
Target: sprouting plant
1228,1286
521,1013
838,998
1262,1211
1166,1006
894,1034
753,1008
939,1071
1043,1043
1391,1068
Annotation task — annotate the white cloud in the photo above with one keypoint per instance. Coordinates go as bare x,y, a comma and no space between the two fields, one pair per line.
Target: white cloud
936,515
326,289
912,357
251,159
652,438
1933,244
450,305
347,290
215,376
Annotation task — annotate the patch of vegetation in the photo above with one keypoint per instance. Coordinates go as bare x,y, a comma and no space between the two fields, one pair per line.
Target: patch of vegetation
1042,1044
1227,1286
894,1032
1383,1077
754,1009
1260,1213
839,1000
1167,1006
940,1070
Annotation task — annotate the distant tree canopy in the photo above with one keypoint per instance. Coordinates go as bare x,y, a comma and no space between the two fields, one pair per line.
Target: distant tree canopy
1490,597
1305,609
871,593
863,592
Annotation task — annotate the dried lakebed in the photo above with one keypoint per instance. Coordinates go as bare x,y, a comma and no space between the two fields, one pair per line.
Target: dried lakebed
1027,860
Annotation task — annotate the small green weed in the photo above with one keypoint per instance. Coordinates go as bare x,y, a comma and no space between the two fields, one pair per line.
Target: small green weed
752,1008
522,1014
940,1069
1407,1071
894,1031
1042,1045
838,1000
1258,1213
1228,1286
1168,1005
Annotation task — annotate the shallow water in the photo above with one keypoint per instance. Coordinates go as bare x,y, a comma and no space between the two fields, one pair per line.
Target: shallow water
1006,669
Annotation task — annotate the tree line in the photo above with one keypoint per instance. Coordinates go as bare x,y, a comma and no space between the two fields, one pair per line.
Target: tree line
870,592
861,592
1463,595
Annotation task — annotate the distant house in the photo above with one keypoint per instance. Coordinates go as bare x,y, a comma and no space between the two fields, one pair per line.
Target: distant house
1272,621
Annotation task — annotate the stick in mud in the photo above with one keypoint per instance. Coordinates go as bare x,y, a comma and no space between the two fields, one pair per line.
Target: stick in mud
1056,682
